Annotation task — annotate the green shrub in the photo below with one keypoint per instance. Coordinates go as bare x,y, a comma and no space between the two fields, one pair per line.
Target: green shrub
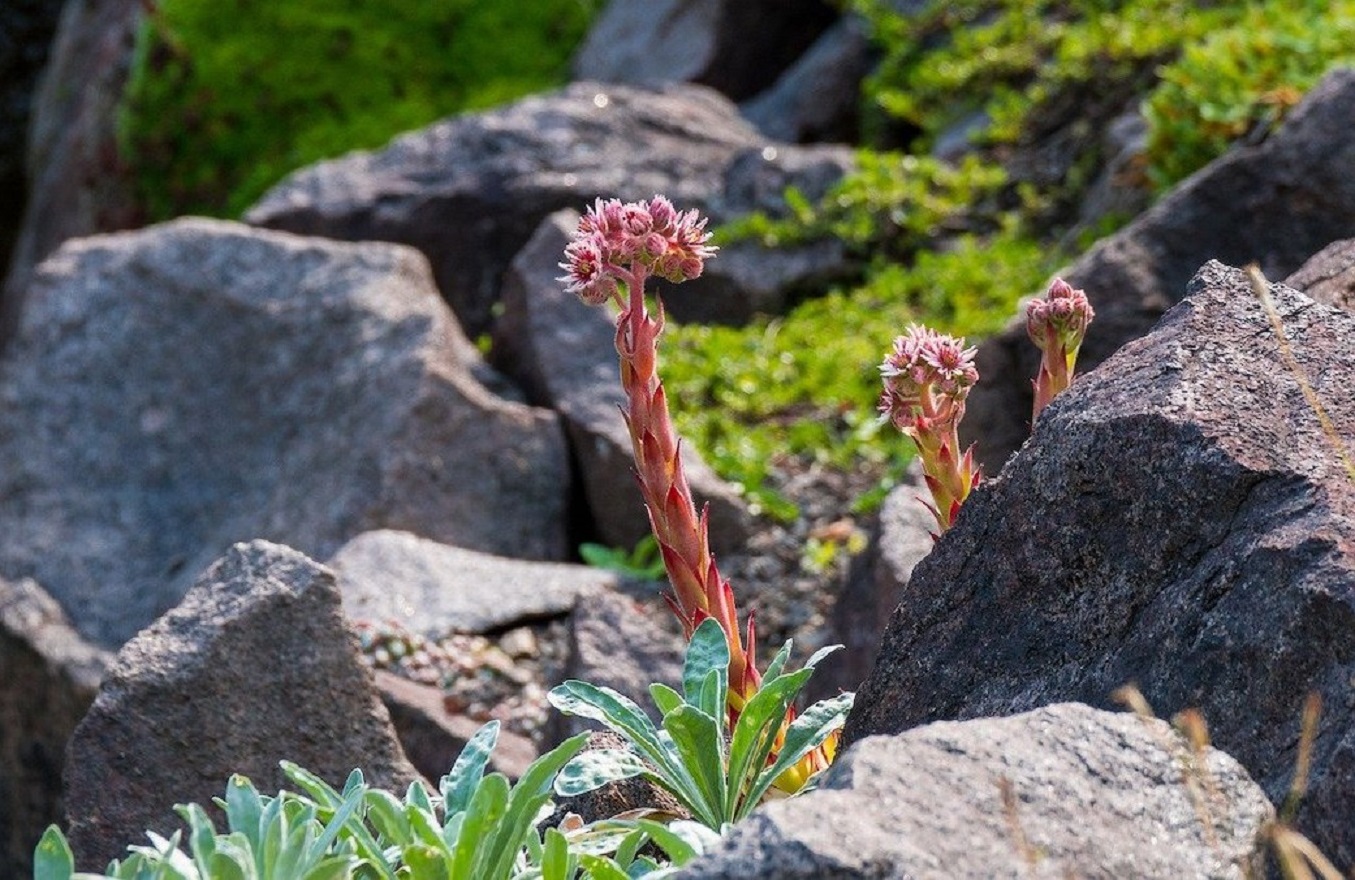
717,773
227,96
1242,80
804,385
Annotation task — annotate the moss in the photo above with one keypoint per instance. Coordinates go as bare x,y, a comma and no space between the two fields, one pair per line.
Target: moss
227,96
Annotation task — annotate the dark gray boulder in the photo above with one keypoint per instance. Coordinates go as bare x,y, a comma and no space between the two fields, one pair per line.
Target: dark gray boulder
435,589
737,47
77,184
1179,519
48,678
255,666
1329,277
617,642
1276,203
470,191
563,353
1095,795
818,97
198,383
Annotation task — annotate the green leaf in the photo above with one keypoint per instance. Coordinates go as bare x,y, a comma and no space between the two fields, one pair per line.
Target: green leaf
617,712
244,810
700,743
332,868
805,734
755,733
679,841
601,868
320,791
356,795
52,859
555,856
201,834
525,799
820,654
707,651
487,808
425,861
778,664
595,768
665,698
460,782
387,815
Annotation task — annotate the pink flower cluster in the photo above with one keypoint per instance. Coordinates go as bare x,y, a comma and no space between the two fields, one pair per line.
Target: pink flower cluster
628,242
926,377
1059,319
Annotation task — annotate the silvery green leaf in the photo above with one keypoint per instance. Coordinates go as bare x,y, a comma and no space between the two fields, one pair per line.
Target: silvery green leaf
805,734
615,711
487,807
201,834
555,856
387,815
699,741
594,768
820,654
706,651
665,698
319,790
244,810
525,798
601,868
778,664
53,859
755,733
460,782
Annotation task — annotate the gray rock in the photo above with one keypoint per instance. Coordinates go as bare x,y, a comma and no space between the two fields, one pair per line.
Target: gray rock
48,678
434,738
1096,795
470,191
619,643
1179,519
435,589
1329,277
181,388
818,97
738,48
255,666
564,353
876,583
1276,203
77,184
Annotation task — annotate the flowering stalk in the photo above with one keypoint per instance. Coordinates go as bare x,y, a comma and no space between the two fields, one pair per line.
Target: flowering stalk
617,248
1057,323
927,377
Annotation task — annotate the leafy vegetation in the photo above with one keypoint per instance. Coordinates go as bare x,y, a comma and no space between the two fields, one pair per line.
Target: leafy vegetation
1241,81
227,97
956,245
477,826
716,773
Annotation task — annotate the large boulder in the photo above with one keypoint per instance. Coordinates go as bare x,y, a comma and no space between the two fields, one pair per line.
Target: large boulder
434,589
1276,203
49,679
255,666
1329,277
470,191
175,390
735,46
1091,794
1182,519
818,97
77,183
563,353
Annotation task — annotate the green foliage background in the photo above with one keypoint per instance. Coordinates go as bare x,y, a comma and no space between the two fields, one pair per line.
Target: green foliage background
227,96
